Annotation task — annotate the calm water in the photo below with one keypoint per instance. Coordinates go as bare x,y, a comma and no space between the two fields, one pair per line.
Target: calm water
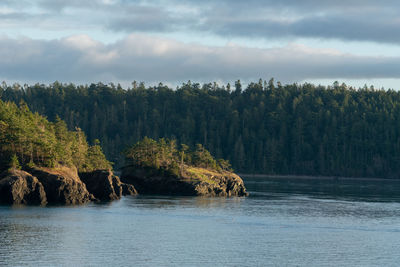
284,222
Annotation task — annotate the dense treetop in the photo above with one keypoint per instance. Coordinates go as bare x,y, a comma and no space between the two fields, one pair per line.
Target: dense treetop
165,156
29,139
264,128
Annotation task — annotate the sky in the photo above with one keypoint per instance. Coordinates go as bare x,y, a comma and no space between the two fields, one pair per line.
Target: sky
319,41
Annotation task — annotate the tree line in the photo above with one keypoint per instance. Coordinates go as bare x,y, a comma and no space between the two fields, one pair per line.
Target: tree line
28,139
165,156
266,127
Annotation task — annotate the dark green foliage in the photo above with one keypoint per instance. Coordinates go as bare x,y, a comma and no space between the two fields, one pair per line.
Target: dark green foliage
28,139
202,158
163,155
14,163
264,128
224,165
95,158
146,153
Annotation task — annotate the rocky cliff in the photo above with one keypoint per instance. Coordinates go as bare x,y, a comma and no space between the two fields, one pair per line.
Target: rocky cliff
61,185
192,181
105,186
19,187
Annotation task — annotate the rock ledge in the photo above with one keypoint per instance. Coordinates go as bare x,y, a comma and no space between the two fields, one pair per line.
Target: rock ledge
192,182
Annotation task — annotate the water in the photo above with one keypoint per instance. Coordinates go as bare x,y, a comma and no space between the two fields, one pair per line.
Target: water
285,222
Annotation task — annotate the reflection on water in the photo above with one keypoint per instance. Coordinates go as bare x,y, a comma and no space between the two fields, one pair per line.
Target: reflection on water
346,189
163,202
284,222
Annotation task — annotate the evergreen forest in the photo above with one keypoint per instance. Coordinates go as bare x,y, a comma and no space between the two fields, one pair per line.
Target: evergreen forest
265,127
28,139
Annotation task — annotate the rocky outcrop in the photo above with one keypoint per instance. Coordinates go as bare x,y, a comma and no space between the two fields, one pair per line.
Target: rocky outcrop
226,184
19,187
62,185
128,190
105,186
192,182
147,182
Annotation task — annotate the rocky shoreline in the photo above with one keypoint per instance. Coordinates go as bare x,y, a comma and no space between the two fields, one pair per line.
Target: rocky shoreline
41,186
65,186
192,182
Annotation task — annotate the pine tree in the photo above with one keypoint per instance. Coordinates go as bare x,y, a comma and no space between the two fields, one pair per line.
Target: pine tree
14,162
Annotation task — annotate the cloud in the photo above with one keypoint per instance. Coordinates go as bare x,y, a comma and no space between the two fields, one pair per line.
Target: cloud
344,20
60,5
145,19
356,20
81,59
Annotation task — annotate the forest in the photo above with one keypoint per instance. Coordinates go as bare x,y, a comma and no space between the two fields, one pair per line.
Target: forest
28,139
265,127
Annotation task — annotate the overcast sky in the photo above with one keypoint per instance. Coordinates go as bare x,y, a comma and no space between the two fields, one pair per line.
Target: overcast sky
352,41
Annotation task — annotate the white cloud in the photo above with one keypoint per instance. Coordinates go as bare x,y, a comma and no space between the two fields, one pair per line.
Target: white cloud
81,59
355,20
6,11
82,42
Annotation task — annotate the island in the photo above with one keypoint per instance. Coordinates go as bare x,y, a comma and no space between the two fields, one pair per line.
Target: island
158,167
43,162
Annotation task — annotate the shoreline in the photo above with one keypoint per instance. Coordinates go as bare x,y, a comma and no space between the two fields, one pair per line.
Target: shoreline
310,177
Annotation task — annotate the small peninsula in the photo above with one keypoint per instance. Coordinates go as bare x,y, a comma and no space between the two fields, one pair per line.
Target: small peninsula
158,167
